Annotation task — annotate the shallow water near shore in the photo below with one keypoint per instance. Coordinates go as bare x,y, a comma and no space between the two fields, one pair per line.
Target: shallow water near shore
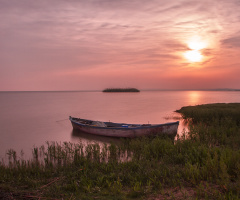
29,119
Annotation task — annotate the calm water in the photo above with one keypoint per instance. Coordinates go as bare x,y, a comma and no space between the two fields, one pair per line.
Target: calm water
29,119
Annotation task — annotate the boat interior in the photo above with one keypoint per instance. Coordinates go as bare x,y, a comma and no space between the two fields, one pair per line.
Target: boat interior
107,124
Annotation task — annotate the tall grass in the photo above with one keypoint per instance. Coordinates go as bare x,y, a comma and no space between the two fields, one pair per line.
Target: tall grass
210,112
207,162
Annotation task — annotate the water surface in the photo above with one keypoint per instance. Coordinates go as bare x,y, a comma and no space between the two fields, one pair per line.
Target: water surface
29,119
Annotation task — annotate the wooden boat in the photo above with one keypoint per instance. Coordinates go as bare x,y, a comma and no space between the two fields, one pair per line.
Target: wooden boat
111,129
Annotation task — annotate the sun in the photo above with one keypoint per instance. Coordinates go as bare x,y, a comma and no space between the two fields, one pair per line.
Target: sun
193,56
195,44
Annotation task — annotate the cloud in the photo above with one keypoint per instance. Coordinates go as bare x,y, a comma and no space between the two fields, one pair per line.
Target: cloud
232,42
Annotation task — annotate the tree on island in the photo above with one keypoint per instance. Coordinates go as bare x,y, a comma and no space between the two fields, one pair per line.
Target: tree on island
121,90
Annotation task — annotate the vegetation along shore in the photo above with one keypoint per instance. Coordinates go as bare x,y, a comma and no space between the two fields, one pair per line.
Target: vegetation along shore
202,164
121,90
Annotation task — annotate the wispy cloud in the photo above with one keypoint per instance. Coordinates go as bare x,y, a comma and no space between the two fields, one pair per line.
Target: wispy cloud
232,42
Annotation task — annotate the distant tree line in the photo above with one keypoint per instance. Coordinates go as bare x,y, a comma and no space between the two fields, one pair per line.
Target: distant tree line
121,90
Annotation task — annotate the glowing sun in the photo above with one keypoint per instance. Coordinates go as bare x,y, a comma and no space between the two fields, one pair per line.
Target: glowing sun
193,56
196,45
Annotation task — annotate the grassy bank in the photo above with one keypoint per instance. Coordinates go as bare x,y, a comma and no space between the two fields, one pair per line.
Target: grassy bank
202,165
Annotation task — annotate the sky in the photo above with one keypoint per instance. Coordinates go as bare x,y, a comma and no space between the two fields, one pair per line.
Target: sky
96,44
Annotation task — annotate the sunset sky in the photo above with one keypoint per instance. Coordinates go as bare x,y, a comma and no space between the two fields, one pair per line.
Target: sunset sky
95,44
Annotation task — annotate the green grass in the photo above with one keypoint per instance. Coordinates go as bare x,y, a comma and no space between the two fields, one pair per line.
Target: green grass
203,165
208,113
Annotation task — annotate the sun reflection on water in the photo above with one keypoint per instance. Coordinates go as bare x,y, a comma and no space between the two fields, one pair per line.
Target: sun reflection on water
194,97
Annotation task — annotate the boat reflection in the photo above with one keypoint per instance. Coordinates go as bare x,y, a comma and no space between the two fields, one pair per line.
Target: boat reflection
91,139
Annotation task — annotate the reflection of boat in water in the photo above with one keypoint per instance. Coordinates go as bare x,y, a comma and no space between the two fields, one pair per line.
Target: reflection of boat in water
111,129
90,138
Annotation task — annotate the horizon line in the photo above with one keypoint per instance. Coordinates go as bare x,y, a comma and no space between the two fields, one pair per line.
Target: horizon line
96,90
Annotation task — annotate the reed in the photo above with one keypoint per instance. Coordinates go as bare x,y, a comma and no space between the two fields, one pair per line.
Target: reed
203,165
208,113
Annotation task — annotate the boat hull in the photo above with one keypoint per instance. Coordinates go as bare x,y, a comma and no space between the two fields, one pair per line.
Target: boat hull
169,129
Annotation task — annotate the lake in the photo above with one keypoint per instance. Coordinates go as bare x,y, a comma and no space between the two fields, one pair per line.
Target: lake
29,119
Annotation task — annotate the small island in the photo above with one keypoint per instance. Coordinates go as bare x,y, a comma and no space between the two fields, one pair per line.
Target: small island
121,90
